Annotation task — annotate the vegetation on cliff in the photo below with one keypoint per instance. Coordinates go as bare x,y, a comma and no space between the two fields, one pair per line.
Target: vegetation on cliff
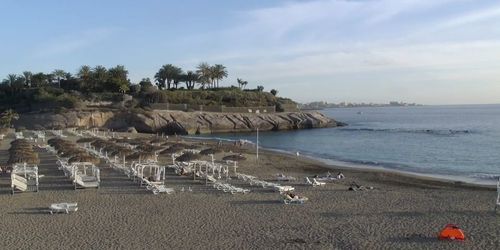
60,89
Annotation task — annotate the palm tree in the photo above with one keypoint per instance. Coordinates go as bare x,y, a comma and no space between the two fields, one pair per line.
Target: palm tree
84,73
99,76
160,78
7,117
27,78
38,79
12,79
118,72
123,88
118,80
171,73
205,73
241,83
59,74
219,72
190,78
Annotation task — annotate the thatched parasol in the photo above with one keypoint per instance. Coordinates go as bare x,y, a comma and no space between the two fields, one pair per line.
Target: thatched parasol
86,140
192,146
149,148
20,141
71,152
140,156
29,158
99,143
173,149
136,141
234,158
188,156
84,158
157,141
55,141
210,151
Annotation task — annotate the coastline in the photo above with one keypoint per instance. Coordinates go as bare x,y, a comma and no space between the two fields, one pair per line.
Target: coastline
435,179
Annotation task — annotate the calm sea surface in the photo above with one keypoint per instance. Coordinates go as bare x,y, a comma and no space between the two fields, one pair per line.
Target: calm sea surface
458,142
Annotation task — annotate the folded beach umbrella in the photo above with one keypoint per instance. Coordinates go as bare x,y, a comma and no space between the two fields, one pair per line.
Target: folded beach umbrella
451,232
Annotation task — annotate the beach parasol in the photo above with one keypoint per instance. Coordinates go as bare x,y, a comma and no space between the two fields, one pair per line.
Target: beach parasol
86,140
210,151
234,158
188,156
84,158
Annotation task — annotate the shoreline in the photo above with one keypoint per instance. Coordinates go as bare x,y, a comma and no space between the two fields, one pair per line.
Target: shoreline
459,181
394,212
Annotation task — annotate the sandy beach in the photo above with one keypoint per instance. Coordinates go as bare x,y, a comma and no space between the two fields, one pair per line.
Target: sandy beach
401,212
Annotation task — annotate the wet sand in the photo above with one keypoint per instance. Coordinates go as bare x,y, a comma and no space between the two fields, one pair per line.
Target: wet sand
402,212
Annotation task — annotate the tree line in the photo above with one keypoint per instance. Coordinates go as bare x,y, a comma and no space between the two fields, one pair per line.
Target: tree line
115,79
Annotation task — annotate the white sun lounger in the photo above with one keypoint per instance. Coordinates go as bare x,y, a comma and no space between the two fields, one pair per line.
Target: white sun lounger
63,207
283,189
314,183
295,200
318,183
282,177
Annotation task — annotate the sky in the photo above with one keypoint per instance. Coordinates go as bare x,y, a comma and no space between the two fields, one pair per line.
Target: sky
422,51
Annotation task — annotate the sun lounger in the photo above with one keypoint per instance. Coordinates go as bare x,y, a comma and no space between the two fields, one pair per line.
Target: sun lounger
318,183
355,187
283,189
162,189
314,183
282,177
63,208
295,200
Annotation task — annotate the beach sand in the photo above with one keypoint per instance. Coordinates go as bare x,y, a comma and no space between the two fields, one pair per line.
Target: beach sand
401,212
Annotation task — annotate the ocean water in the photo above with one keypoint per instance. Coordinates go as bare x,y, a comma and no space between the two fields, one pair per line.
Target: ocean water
455,142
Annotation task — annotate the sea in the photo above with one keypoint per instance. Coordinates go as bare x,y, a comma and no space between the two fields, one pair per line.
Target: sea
456,142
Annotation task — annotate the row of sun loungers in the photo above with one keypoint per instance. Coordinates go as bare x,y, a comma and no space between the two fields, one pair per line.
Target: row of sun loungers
228,188
83,174
155,182
252,180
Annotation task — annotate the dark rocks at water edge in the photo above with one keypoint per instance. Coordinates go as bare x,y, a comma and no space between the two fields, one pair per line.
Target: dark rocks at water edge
177,122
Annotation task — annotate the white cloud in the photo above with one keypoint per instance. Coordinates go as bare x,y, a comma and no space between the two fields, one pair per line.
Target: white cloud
69,43
472,17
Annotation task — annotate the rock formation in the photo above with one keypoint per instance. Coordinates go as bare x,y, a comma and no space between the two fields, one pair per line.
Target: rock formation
177,122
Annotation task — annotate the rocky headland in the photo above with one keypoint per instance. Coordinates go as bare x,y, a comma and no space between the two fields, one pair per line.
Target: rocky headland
176,122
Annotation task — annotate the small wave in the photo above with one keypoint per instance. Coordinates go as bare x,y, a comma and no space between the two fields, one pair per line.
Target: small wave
416,131
486,176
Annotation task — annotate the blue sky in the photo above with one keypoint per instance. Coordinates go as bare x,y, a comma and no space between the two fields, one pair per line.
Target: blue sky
424,51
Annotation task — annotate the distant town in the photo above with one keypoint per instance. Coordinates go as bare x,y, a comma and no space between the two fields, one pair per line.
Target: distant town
323,105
